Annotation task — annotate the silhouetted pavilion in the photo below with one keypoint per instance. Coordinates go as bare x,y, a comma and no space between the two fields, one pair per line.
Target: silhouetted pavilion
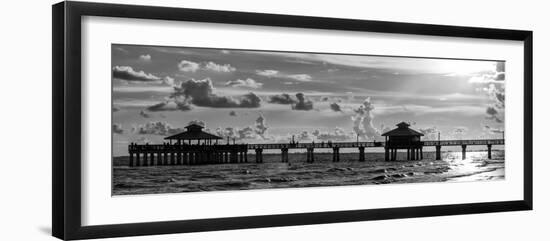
193,132
403,137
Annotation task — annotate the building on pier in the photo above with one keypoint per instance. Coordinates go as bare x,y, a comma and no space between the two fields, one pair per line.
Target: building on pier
191,147
194,133
406,138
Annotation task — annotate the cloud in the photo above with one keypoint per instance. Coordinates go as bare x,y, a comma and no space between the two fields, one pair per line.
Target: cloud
335,107
300,77
127,73
460,130
188,66
232,113
247,83
202,93
496,110
144,115
283,99
260,126
493,114
492,130
219,67
302,103
362,121
157,128
277,74
267,72
430,133
168,81
170,106
258,131
117,128
145,58
337,135
197,122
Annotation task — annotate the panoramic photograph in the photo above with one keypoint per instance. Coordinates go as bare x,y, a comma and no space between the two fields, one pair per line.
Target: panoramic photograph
191,119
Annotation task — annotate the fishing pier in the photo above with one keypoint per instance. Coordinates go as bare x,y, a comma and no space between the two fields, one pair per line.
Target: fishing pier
195,147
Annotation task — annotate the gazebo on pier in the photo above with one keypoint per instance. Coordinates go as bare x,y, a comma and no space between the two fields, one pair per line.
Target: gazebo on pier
403,137
194,133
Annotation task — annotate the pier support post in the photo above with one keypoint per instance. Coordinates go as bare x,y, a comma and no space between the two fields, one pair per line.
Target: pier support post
387,153
152,158
145,161
284,154
159,158
335,154
242,156
489,147
438,152
259,158
408,154
463,152
310,157
138,162
172,158
361,153
413,154
421,153
131,162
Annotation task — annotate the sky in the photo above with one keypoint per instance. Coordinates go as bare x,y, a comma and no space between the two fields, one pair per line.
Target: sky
264,96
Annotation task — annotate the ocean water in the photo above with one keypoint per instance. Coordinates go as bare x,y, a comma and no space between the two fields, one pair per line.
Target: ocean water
323,172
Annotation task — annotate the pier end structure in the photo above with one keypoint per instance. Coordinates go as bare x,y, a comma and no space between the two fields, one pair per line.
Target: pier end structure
406,138
191,147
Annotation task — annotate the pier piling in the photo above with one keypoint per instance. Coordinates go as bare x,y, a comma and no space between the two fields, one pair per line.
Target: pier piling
335,154
463,152
361,153
489,147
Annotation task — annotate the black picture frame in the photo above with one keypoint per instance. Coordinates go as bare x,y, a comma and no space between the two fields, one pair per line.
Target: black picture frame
66,127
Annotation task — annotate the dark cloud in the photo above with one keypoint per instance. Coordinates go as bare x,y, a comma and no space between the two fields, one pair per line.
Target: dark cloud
335,107
302,103
144,115
283,99
493,114
129,74
117,128
202,93
157,128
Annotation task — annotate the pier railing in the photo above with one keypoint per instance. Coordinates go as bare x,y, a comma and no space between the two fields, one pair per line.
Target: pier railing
183,154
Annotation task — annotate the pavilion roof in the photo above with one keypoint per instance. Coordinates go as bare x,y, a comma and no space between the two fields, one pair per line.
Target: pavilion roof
192,135
403,130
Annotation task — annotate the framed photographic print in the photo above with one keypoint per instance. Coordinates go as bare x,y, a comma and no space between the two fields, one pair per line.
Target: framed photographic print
170,120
